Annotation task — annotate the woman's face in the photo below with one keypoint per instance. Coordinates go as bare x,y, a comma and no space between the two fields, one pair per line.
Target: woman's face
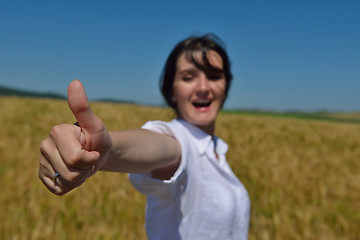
199,95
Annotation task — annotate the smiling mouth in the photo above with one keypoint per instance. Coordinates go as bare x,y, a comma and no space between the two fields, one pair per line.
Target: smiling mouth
202,104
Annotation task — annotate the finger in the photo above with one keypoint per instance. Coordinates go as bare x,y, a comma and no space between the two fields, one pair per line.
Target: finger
66,140
61,186
45,173
51,178
58,187
81,109
52,159
59,181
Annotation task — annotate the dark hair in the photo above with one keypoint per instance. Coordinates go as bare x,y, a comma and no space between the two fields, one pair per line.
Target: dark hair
189,46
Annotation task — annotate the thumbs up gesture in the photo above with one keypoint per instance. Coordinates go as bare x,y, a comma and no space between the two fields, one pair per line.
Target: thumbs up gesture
72,153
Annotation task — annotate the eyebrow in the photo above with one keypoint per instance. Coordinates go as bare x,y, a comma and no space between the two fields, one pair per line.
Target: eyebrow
188,70
195,70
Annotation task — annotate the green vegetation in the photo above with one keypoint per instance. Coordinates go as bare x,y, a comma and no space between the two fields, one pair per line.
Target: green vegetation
327,116
302,176
5,91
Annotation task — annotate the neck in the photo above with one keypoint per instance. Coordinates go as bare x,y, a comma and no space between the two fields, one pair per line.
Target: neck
209,129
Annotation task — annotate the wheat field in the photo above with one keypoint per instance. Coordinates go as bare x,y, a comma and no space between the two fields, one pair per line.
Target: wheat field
302,176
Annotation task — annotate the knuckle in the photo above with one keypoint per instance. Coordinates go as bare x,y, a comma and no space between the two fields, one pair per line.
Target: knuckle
44,145
73,159
41,177
78,159
56,130
40,171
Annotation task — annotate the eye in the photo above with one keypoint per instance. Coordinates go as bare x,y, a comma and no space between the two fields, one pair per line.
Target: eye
214,77
187,78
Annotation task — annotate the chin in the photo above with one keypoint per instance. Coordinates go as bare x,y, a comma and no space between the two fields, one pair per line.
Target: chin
199,116
202,121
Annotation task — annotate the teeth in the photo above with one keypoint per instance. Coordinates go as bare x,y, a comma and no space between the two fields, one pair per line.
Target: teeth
202,103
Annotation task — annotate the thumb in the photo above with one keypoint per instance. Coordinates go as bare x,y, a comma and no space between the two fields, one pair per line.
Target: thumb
79,105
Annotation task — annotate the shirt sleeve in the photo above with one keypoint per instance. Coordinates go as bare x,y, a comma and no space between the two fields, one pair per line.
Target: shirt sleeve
143,182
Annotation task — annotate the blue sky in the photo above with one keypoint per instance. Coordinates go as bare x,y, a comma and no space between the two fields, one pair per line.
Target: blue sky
286,55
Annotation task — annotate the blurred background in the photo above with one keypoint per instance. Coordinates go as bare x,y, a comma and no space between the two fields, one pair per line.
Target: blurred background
286,55
301,167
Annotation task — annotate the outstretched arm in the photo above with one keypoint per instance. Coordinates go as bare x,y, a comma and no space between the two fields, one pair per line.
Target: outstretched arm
140,150
77,152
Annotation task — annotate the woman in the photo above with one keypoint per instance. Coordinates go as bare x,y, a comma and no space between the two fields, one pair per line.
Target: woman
180,165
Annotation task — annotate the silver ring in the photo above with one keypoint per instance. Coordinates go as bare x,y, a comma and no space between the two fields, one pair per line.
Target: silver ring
55,177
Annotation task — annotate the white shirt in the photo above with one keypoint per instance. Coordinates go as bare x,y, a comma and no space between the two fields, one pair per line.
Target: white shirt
203,199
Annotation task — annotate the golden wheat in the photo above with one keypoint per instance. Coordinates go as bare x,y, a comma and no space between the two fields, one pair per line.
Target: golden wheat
302,176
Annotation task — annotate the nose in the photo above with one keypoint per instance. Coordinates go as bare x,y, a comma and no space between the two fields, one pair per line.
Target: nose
202,86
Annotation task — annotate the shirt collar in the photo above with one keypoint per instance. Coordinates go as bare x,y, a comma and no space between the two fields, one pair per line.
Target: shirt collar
201,139
221,146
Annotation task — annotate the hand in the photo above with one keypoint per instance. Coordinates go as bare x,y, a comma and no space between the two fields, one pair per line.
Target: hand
74,152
